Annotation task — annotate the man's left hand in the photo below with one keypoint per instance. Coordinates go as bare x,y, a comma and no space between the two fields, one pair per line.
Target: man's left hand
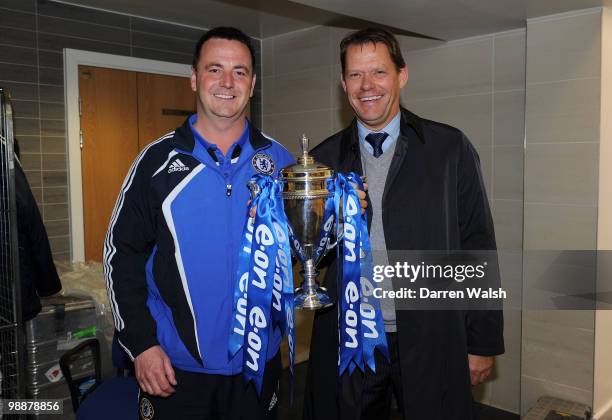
480,368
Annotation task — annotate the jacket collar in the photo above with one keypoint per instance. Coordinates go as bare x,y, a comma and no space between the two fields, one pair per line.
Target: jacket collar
184,140
257,138
350,138
414,121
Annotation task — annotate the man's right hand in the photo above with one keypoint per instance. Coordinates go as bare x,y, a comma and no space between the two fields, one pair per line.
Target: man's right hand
154,372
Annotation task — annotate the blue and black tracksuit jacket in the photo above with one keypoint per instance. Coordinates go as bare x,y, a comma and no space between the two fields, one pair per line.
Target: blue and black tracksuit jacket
170,254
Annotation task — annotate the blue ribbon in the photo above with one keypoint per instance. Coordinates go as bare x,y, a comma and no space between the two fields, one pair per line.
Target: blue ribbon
329,217
361,323
263,294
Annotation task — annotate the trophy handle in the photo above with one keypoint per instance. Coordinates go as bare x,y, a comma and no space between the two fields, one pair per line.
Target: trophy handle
340,229
331,246
339,237
253,188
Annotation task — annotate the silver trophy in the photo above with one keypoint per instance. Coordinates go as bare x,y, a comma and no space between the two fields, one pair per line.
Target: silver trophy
304,196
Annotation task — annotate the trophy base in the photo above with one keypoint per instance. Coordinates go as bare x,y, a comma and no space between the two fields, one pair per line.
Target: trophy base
312,299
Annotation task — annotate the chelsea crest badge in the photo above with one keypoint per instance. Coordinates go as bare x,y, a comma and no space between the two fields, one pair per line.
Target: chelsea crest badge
263,164
146,409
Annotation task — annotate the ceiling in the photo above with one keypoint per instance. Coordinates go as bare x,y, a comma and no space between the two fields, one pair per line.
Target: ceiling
452,19
441,19
258,18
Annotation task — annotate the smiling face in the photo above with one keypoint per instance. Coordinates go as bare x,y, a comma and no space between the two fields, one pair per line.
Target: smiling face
373,83
224,79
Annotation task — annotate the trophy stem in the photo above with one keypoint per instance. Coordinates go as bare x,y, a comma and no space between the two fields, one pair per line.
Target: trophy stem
310,295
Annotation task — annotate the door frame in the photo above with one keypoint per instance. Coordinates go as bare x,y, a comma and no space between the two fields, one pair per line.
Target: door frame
72,60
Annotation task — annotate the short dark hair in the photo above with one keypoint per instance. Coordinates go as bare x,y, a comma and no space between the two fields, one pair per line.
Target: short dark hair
223,32
374,36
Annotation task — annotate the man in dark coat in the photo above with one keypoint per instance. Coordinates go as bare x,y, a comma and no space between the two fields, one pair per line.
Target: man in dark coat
426,193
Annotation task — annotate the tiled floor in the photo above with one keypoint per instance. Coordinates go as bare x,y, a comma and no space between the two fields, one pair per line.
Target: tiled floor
492,413
285,412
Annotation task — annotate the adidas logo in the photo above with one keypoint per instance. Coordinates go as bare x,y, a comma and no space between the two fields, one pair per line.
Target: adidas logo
177,166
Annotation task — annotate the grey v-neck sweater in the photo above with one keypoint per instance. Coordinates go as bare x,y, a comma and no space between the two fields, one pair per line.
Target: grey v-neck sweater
376,170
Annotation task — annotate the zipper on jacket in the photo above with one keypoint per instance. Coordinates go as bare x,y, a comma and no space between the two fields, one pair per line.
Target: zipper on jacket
227,178
223,166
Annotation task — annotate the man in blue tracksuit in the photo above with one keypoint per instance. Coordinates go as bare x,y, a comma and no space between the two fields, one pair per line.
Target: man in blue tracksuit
170,254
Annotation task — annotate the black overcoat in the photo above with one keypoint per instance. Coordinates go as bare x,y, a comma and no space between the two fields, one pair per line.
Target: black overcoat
36,268
434,199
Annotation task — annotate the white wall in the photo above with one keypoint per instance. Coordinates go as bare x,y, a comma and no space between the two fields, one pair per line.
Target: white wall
561,197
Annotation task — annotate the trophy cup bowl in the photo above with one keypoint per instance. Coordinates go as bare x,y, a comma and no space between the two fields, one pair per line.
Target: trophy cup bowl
304,196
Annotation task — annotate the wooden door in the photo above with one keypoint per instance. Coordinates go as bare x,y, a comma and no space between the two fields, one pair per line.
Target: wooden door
121,112
164,102
109,115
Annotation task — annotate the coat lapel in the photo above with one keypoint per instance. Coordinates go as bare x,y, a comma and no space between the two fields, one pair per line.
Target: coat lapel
351,161
401,150
410,128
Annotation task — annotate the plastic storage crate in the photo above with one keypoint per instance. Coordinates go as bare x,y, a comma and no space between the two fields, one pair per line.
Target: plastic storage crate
48,336
547,406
